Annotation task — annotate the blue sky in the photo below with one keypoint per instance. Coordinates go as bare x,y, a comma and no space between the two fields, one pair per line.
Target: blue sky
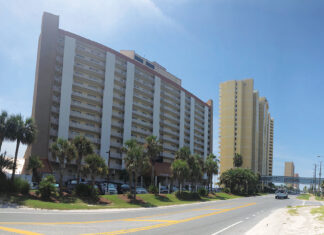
278,43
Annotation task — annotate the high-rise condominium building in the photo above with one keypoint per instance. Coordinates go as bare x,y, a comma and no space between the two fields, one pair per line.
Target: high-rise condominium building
246,127
289,169
85,88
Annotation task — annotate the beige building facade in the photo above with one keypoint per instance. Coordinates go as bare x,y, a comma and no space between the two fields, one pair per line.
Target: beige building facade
245,127
289,169
85,88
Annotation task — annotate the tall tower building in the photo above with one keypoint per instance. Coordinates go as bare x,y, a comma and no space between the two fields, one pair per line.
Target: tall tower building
289,169
85,88
245,127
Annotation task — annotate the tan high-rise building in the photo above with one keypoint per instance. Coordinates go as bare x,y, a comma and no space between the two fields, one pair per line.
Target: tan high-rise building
85,88
245,127
289,169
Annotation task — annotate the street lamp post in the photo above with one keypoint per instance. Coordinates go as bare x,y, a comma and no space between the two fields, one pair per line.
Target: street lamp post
108,164
320,175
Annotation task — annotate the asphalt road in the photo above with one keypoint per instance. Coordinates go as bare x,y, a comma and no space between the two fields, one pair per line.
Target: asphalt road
234,216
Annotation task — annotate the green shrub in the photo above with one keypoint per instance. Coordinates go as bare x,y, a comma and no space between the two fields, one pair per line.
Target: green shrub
17,186
202,192
226,190
153,189
86,190
187,195
46,187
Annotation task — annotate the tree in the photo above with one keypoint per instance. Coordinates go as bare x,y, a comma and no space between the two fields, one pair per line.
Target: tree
5,163
34,164
180,171
135,161
237,160
94,166
21,131
63,151
211,168
153,148
195,164
84,148
240,181
183,154
3,126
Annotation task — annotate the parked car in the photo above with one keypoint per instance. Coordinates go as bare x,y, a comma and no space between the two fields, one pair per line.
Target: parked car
124,188
140,190
111,189
164,189
281,193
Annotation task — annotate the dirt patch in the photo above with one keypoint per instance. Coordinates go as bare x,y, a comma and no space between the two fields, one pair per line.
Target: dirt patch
138,200
281,222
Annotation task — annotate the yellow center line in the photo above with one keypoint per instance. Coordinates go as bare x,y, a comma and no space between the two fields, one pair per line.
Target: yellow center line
113,220
14,230
133,230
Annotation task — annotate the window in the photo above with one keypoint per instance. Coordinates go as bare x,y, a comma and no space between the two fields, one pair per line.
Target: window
149,65
139,59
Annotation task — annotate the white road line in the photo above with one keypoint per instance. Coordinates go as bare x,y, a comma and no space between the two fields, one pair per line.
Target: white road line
220,231
304,202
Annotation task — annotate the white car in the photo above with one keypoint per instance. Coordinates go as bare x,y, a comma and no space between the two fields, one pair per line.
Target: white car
281,193
140,190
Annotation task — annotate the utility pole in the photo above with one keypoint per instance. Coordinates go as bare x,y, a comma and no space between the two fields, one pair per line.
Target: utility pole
320,175
314,190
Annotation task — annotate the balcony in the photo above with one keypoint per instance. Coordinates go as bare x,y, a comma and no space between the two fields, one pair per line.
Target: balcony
118,115
117,124
84,96
118,106
143,75
143,98
89,69
174,141
85,116
173,111
57,89
170,117
141,131
55,109
88,77
171,90
54,120
146,91
165,130
145,107
123,65
53,132
120,72
90,60
85,127
176,106
92,139
85,106
116,134
171,97
144,83
140,122
169,147
139,113
84,86
166,123
56,99
116,144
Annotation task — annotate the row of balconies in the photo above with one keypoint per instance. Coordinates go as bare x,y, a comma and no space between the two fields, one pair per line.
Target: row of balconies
82,95
141,131
89,77
85,127
145,107
123,65
87,87
89,69
90,51
142,114
92,61
146,91
92,139
85,116
144,83
86,106
142,123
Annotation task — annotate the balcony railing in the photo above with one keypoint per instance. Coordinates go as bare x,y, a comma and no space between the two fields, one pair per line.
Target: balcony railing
97,99
93,108
85,116
85,127
92,139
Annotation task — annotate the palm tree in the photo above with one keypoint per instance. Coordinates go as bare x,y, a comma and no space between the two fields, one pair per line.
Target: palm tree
63,151
135,161
183,154
21,131
211,168
34,164
3,126
180,171
196,164
153,149
94,166
84,148
237,160
5,163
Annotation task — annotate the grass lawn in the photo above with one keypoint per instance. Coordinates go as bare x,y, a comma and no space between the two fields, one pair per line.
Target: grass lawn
304,196
319,198
320,211
293,211
116,201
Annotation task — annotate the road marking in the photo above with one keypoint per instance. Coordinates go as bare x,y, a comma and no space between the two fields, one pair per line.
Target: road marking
112,220
132,230
14,230
220,231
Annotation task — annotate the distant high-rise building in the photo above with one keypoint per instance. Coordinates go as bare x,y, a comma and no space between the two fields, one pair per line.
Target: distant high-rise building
246,127
85,88
289,169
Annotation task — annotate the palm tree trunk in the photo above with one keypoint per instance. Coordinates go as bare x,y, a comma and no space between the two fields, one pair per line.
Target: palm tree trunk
78,170
15,161
152,176
61,180
135,183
